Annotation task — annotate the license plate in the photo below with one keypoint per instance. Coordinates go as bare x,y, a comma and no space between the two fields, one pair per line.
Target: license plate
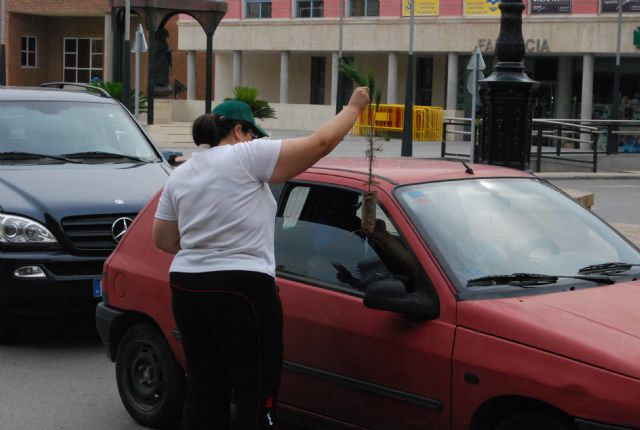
97,288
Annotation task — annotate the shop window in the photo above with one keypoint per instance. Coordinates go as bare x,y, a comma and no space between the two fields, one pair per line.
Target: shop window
317,80
258,9
28,51
310,9
82,59
365,8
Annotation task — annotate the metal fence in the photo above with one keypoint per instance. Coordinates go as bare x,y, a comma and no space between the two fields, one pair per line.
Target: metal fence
569,140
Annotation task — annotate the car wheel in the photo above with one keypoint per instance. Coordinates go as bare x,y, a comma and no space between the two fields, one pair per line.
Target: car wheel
10,326
532,422
150,380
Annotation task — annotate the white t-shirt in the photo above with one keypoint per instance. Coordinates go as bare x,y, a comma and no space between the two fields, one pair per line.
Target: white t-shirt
224,208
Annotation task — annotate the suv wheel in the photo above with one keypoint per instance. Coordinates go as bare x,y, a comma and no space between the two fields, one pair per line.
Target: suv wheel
150,380
10,326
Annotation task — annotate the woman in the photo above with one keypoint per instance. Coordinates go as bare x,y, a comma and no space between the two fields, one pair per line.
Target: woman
217,215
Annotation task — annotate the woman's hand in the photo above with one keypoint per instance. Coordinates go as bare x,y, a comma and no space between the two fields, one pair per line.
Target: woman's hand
360,98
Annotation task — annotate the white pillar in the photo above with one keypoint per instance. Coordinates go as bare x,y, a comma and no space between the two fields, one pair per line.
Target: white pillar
107,46
237,68
452,81
218,81
191,75
284,77
334,78
563,106
392,78
586,104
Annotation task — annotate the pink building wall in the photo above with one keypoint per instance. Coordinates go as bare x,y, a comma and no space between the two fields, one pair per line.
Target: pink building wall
391,8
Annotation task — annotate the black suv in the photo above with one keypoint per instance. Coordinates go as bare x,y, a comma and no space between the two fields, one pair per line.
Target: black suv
75,169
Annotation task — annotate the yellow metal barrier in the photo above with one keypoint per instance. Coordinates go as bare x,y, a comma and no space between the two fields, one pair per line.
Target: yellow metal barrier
427,121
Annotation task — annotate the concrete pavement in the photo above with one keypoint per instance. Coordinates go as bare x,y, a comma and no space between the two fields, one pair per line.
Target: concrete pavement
177,136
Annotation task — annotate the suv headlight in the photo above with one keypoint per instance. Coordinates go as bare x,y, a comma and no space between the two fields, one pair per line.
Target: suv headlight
16,229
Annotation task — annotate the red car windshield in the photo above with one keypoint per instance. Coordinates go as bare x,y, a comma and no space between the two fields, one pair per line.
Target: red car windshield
489,227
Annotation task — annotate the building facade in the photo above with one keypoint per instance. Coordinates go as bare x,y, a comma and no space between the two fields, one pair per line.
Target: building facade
72,41
289,50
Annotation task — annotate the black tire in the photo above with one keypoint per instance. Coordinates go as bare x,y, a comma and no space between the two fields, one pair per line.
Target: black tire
151,383
533,422
10,326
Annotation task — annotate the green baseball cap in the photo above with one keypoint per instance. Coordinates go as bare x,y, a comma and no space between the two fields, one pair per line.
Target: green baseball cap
235,110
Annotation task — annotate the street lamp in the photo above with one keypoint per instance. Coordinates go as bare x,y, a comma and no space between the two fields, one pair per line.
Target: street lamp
507,97
615,106
126,65
340,84
3,72
407,132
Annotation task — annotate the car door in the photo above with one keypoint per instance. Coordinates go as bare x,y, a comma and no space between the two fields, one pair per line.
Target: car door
343,361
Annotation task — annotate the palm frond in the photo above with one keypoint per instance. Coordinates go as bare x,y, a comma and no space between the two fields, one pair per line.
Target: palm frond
249,95
353,73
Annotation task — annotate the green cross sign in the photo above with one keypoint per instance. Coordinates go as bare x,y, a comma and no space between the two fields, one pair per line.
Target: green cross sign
636,38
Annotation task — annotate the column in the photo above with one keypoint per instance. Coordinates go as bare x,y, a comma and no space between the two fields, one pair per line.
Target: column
586,103
563,106
218,81
191,75
334,78
107,46
392,78
452,81
284,77
237,68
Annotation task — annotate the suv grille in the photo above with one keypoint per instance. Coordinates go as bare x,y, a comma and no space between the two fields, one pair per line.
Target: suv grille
92,233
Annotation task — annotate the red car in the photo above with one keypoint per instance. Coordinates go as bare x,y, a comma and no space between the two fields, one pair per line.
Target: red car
485,299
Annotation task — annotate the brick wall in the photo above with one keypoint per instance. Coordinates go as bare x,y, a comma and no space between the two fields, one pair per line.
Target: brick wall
50,21
50,33
60,7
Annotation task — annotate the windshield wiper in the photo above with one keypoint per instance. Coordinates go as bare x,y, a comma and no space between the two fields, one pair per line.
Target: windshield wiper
102,154
613,266
17,155
526,280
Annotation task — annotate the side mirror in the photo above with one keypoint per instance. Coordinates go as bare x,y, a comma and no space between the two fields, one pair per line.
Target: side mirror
174,158
391,295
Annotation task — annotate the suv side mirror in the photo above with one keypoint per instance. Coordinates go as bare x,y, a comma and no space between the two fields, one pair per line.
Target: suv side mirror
391,295
174,158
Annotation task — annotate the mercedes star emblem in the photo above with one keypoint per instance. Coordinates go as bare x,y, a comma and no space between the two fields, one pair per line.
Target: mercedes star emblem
119,227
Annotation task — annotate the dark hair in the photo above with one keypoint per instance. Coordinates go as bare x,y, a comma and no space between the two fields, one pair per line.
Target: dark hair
205,130
209,129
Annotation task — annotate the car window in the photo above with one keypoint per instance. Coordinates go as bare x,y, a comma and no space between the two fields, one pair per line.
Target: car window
491,227
59,128
318,237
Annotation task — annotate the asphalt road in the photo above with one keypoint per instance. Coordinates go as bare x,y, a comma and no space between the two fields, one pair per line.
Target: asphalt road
616,200
56,375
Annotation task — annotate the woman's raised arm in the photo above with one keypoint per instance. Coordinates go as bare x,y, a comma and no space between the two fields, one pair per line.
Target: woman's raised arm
297,155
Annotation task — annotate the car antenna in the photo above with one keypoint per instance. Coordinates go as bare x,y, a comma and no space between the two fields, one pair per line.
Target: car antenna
468,169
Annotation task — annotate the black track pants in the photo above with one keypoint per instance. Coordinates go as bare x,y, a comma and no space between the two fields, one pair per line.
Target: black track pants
230,324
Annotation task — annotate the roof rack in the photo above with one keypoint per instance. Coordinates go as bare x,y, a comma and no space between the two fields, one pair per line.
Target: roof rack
101,91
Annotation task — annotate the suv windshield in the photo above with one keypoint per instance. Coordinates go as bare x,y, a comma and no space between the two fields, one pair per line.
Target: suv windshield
491,227
73,129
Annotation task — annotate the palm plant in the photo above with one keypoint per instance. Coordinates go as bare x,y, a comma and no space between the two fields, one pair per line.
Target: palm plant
115,90
369,198
249,95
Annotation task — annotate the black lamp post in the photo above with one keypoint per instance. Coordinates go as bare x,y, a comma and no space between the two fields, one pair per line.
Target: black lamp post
3,72
507,97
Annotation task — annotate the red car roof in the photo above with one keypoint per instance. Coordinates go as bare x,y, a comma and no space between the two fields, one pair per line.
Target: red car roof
403,171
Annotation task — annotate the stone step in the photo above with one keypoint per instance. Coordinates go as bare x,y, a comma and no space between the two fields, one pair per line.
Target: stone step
173,135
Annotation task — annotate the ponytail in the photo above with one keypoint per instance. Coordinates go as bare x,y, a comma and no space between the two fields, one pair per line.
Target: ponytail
205,130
